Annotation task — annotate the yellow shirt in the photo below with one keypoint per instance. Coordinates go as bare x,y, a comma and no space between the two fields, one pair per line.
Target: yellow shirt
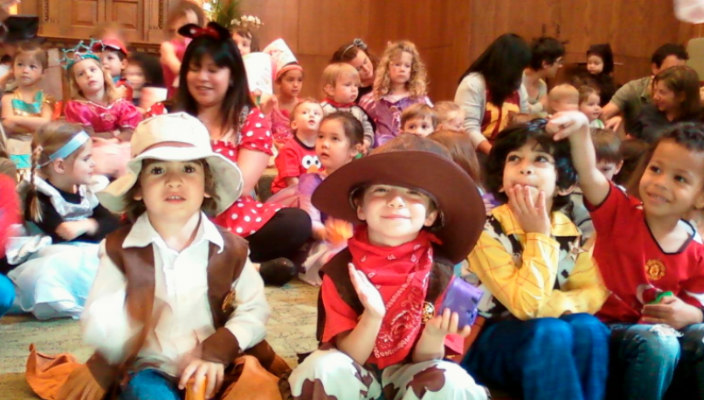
532,275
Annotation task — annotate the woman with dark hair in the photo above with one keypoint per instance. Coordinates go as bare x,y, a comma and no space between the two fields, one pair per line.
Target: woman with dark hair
356,53
489,90
675,99
545,61
214,89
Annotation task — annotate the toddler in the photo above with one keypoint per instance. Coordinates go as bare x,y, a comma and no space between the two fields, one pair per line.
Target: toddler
589,106
563,97
113,56
341,86
419,119
450,116
298,156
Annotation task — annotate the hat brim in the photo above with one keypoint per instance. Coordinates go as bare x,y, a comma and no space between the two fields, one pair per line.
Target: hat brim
456,194
227,177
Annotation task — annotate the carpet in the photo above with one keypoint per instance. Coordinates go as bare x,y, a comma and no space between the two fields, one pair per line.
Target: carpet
290,330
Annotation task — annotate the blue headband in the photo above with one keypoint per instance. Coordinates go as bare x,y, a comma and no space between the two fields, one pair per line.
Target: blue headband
67,149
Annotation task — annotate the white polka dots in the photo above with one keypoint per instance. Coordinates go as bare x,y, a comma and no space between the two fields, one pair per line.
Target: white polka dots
268,133
261,115
234,216
258,125
249,133
246,218
240,205
239,229
252,232
259,205
258,219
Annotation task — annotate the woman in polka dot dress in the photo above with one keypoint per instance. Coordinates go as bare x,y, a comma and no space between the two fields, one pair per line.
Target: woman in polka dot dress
216,92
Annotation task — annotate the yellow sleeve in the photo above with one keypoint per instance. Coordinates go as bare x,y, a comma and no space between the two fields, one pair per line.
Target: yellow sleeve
522,286
584,290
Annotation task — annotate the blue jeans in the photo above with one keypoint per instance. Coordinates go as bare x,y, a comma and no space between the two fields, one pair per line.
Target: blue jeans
543,358
646,362
7,294
150,384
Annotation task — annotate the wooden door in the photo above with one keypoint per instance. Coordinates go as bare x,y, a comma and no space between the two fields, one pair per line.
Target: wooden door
129,14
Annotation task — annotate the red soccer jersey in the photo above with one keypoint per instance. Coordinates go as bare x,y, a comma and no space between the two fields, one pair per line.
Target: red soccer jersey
633,265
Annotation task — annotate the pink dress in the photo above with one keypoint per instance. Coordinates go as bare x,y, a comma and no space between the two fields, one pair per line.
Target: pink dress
281,126
110,155
247,215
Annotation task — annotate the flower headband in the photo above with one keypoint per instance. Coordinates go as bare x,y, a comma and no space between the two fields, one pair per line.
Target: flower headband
78,53
213,30
358,43
247,22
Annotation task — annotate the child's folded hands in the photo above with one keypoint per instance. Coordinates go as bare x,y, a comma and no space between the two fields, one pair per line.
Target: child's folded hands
566,123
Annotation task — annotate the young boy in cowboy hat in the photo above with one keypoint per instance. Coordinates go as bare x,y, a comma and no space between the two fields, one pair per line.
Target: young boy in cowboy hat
380,321
174,298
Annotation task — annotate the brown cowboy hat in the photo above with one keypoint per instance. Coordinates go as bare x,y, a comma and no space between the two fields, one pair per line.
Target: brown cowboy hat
414,162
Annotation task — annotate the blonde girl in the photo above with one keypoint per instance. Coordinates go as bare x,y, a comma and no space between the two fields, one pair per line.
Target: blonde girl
54,282
400,81
97,106
26,108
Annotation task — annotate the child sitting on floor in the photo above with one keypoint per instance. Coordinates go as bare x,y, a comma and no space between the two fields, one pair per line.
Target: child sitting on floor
419,119
380,321
450,116
298,156
650,259
341,86
563,97
175,299
589,106
539,340
55,280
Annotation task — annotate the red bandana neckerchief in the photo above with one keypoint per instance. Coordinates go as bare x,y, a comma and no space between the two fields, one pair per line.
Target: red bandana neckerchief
401,275
339,105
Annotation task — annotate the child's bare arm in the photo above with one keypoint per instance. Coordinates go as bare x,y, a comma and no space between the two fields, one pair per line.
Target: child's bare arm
671,310
168,57
575,126
431,345
359,342
291,180
70,230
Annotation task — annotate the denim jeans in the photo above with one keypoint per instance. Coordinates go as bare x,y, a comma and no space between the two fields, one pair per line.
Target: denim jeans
543,358
150,384
646,361
7,294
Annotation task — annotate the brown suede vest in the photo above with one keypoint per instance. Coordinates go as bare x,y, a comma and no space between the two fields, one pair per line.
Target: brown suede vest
336,269
137,263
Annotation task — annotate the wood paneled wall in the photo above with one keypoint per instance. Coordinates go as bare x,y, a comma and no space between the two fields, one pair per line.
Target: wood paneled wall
452,33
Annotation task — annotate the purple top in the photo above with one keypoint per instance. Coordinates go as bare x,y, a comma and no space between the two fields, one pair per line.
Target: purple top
387,115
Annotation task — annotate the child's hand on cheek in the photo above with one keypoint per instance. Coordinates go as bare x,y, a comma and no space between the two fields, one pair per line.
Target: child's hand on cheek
446,324
203,372
531,215
368,295
566,123
671,310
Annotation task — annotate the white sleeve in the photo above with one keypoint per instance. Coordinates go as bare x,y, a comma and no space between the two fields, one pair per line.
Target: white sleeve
525,107
471,97
248,321
105,322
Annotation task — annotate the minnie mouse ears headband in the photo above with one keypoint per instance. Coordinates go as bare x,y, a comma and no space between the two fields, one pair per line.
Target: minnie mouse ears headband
213,30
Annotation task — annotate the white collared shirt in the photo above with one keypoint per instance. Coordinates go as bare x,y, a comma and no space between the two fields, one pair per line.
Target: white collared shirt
180,301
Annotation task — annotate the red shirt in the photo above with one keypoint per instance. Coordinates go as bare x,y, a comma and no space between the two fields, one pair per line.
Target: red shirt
633,265
294,160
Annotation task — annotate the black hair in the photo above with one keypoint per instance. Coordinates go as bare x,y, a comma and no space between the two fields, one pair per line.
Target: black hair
150,67
545,49
689,135
518,135
224,53
668,49
603,50
351,125
502,65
